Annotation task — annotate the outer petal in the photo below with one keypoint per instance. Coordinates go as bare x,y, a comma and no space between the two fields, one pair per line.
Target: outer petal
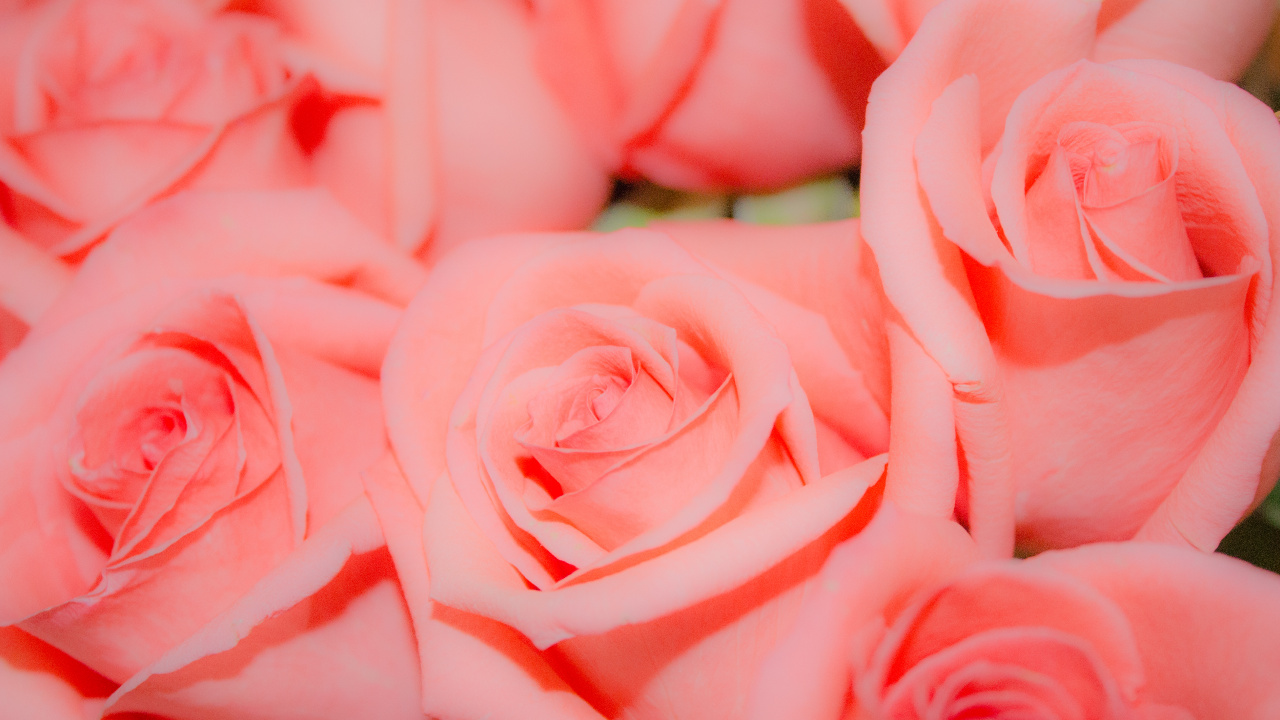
332,613
791,119
921,271
808,674
496,175
470,575
210,234
810,266
1217,39
470,665
30,281
1241,459
38,681
1198,620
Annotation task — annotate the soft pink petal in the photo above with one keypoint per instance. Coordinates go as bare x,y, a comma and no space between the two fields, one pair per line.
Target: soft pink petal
30,280
949,44
496,176
470,575
809,672
819,260
37,681
350,37
420,385
1239,462
209,234
1217,39
789,120
1199,621
332,611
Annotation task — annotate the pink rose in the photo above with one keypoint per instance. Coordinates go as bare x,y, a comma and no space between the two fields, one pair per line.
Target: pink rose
1217,38
180,490
1081,259
1131,630
443,129
631,463
108,104
716,94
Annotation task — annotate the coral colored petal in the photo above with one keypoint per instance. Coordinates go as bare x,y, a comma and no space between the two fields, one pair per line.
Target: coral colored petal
1217,39
419,384
951,43
808,672
470,575
1194,617
1224,479
316,613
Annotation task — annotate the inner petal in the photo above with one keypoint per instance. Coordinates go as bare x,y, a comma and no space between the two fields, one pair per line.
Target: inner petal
1056,225
135,413
1124,178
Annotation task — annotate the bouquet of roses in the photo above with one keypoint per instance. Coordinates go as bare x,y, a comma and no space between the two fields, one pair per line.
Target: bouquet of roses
643,359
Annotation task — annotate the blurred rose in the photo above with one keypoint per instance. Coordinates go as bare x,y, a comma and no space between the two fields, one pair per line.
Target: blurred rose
1133,630
717,94
1217,38
1086,254
108,104
442,129
623,460
181,503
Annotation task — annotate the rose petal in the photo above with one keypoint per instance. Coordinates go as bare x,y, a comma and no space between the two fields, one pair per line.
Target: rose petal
470,575
1194,619
1010,601
1224,479
1217,40
808,671
316,612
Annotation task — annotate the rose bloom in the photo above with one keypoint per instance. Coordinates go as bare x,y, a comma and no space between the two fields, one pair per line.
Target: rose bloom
108,104
441,128
1126,630
630,460
181,501
1081,259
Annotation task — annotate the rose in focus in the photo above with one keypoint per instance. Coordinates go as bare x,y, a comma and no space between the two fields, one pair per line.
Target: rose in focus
616,450
182,505
1085,253
108,104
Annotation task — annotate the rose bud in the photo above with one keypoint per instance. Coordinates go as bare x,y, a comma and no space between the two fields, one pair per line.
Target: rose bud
181,489
1128,630
1081,259
622,463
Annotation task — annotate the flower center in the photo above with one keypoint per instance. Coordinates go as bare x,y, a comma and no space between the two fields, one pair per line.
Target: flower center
1106,206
